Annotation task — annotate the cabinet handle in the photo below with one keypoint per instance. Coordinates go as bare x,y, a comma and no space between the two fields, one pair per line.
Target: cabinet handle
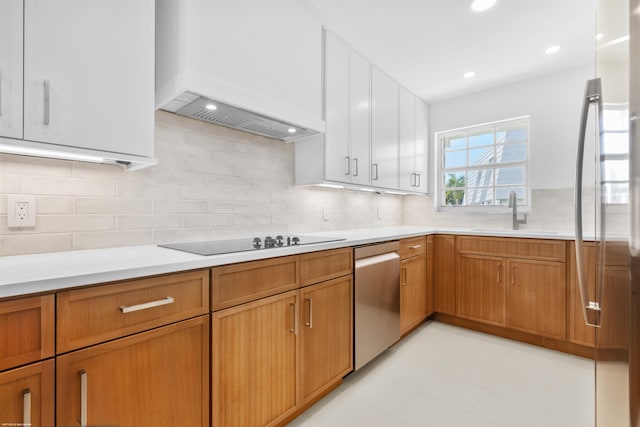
83,398
513,274
375,167
47,102
415,247
413,179
403,282
294,330
499,268
146,305
348,171
418,180
26,407
355,167
310,322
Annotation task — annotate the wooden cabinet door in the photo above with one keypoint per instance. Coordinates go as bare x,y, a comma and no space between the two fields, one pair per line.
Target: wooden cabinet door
413,292
326,324
430,265
27,396
536,297
444,285
480,288
255,362
157,378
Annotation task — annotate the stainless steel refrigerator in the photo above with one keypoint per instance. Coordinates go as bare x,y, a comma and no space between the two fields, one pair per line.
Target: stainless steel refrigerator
608,213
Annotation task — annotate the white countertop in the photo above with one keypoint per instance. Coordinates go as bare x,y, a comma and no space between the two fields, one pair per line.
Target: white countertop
30,274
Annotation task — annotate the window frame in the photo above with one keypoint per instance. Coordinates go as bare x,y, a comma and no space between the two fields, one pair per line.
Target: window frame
442,172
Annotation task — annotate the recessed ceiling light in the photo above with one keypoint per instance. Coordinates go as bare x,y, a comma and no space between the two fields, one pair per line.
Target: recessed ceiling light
469,74
211,107
291,130
552,49
482,5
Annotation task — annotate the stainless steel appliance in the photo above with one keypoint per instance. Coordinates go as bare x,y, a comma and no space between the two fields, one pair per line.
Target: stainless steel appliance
377,300
609,195
217,247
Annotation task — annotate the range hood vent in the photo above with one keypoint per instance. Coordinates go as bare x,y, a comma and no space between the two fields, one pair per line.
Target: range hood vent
200,108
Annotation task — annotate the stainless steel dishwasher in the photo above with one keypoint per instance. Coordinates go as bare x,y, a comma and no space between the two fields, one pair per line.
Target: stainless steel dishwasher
376,299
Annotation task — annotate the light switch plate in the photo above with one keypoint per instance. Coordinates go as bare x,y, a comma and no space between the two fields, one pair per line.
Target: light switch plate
21,211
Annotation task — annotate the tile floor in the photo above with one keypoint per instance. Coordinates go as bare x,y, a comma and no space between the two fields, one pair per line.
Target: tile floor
446,376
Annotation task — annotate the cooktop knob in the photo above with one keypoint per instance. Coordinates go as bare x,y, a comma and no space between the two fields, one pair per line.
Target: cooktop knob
269,242
279,240
295,241
256,242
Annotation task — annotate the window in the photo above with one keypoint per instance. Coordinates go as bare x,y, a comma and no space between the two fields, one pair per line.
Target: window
615,153
481,165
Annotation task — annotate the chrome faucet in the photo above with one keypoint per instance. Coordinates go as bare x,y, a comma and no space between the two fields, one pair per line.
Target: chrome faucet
513,203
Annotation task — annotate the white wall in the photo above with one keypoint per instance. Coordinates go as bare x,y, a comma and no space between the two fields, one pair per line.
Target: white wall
554,103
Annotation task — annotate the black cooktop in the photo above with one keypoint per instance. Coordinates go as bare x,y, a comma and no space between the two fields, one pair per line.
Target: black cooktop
217,247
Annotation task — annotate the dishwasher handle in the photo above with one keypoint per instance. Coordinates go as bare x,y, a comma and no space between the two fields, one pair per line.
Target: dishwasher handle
376,249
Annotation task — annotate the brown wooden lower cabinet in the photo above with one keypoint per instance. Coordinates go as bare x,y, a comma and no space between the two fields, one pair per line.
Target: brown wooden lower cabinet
156,378
255,362
272,356
444,277
413,292
27,395
536,297
480,289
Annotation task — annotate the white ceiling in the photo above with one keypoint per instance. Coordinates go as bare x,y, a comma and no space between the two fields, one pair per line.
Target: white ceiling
427,45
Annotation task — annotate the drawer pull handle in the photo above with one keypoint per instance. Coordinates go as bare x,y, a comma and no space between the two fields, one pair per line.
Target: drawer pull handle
26,407
83,398
146,305
310,322
415,247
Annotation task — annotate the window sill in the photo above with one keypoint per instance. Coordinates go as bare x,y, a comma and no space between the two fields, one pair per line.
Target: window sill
491,210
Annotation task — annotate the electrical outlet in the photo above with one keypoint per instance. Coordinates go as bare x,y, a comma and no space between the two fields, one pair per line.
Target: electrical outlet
21,211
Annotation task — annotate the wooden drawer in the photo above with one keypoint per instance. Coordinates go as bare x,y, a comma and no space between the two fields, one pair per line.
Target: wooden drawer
540,249
413,246
325,265
239,283
26,330
97,314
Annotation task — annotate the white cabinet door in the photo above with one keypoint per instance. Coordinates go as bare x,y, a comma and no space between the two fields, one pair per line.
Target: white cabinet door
88,74
421,147
11,33
359,90
337,159
384,130
406,140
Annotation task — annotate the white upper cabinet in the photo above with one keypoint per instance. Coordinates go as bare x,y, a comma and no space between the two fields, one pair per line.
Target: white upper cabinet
347,114
261,56
413,138
384,130
407,139
88,74
11,33
76,79
336,139
360,109
421,167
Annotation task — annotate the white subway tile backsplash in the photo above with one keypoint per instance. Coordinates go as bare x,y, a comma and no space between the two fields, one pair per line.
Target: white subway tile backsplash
67,186
114,206
180,206
179,235
9,184
22,244
34,166
207,220
148,222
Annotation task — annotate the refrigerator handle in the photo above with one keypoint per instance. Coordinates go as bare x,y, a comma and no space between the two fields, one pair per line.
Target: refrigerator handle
590,309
